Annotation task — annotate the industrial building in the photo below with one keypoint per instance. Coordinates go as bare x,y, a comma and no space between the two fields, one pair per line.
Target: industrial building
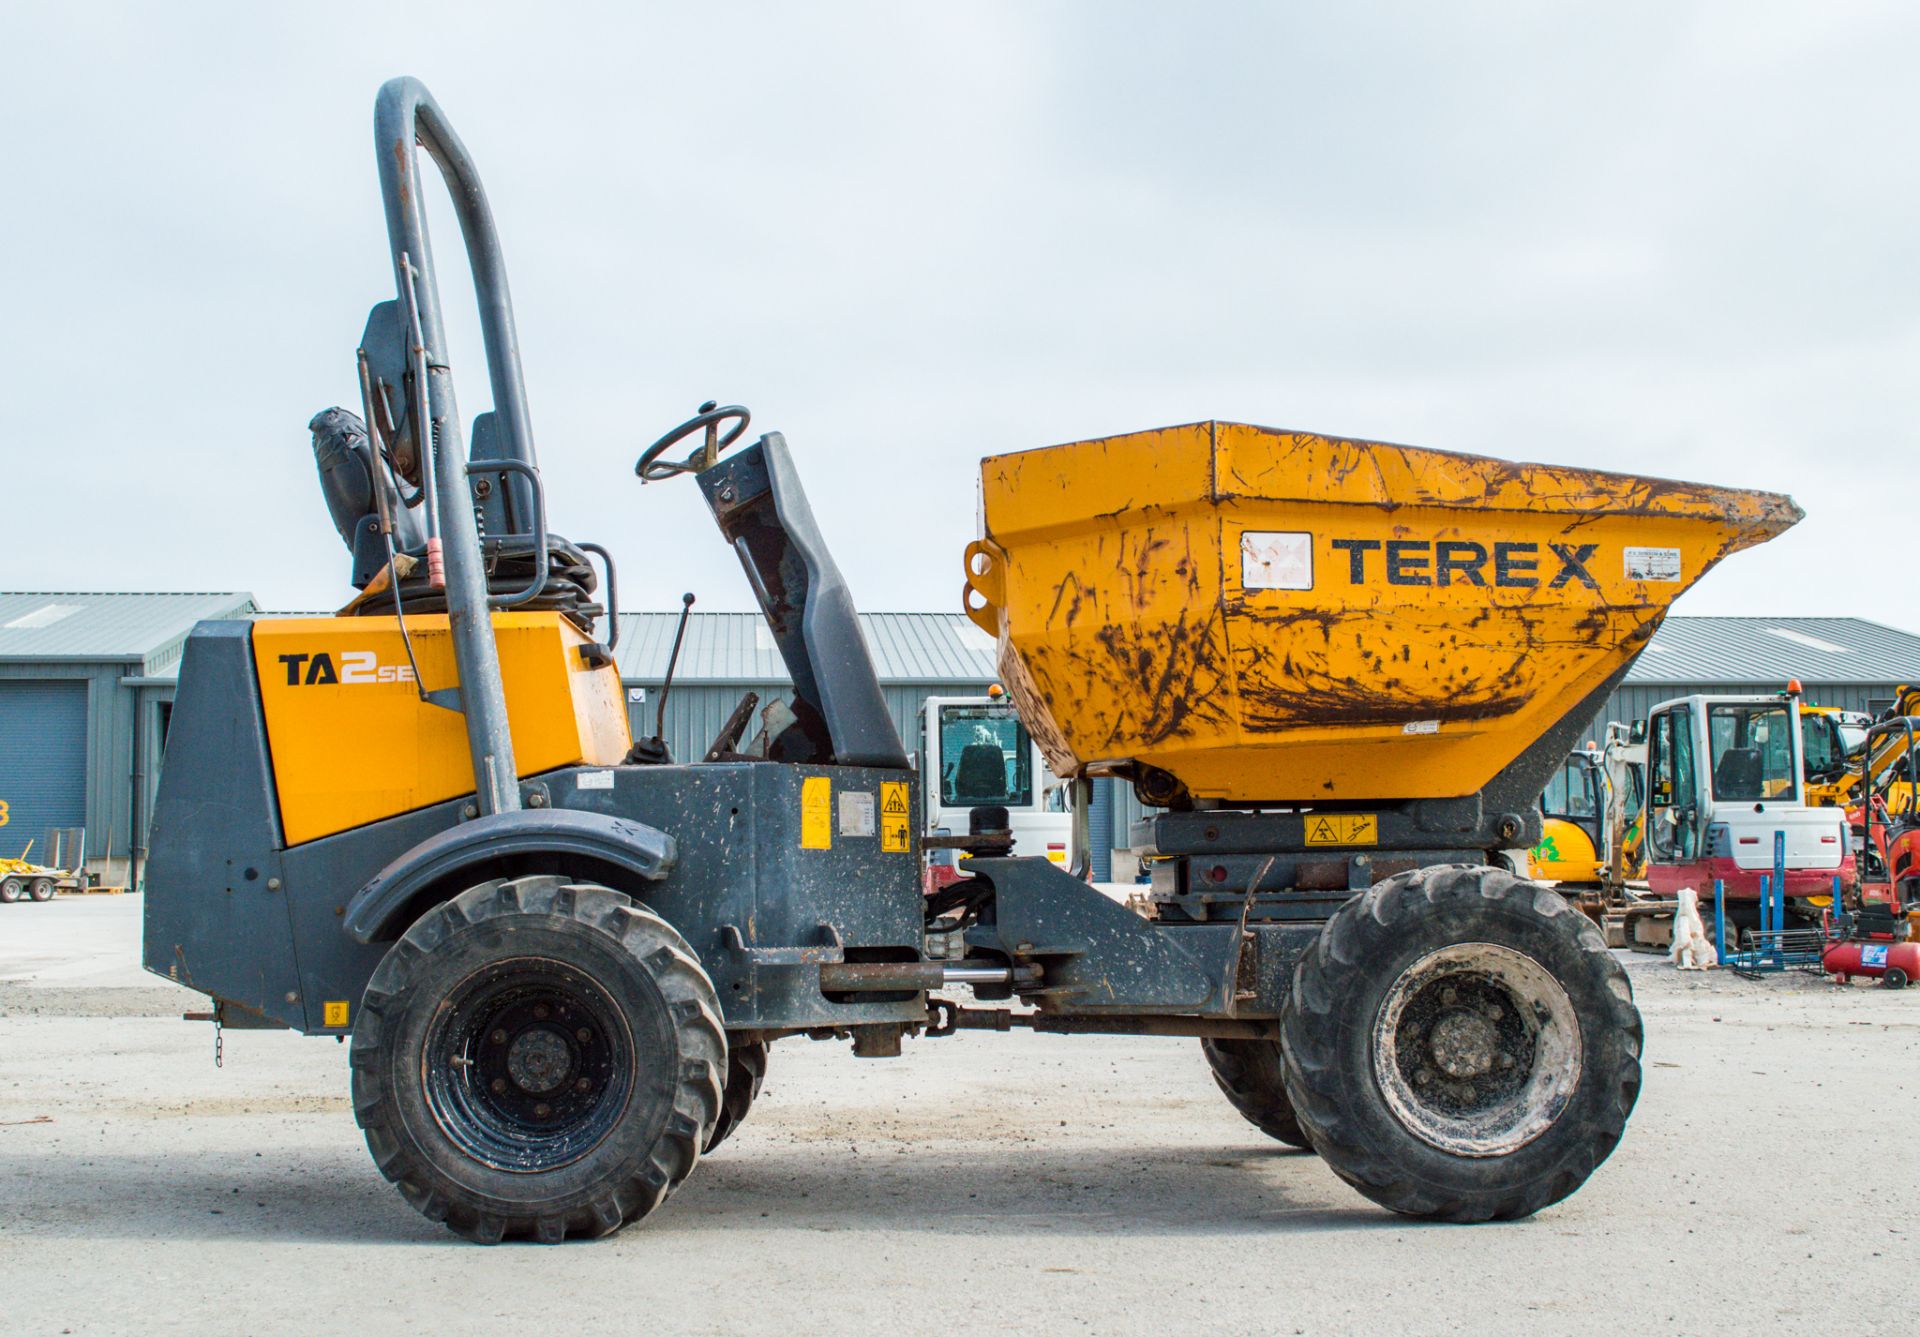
86,681
723,655
1845,662
86,684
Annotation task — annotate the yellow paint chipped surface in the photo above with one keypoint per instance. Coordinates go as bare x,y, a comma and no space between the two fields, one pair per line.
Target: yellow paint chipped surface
1284,616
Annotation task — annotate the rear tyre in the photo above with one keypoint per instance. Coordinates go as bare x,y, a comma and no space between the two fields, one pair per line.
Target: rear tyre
538,1058
1461,1045
746,1070
1248,1074
42,889
11,890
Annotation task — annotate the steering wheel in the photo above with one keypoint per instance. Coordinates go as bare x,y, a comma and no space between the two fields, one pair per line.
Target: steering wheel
653,469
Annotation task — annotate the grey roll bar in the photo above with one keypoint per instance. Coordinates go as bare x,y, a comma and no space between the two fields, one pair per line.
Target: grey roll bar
405,119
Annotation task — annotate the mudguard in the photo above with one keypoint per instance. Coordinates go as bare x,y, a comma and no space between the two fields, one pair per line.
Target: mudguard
635,846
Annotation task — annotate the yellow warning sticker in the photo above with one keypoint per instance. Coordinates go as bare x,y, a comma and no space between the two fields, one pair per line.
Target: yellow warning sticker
816,813
334,1013
1345,828
896,819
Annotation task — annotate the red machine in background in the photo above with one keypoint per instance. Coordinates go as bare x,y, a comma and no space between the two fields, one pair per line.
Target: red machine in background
1877,940
1885,824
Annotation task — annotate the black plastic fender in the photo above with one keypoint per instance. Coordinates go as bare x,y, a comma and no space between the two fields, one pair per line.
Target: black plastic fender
635,846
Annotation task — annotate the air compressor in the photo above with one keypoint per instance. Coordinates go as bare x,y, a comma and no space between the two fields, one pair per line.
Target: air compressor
1874,946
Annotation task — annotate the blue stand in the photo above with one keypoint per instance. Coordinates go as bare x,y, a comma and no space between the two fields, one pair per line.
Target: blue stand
1720,918
1773,947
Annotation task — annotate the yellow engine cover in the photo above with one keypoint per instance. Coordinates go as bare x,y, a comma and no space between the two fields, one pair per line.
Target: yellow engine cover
353,743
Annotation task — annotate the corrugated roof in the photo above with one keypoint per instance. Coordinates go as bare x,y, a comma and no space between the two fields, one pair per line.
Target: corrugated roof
737,647
92,626
1769,650
946,647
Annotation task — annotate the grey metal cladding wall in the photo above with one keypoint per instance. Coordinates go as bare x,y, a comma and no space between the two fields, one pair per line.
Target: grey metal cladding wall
1632,702
43,760
696,712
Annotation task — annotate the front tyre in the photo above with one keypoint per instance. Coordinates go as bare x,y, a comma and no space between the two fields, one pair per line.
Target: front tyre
538,1058
1461,1045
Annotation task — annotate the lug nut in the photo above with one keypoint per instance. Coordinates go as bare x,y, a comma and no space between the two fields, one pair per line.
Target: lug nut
583,1035
499,1086
542,1111
540,1012
583,1085
498,1037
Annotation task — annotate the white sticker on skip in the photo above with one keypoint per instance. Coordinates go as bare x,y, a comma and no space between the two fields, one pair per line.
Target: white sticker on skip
856,813
1421,726
594,780
1653,564
1276,561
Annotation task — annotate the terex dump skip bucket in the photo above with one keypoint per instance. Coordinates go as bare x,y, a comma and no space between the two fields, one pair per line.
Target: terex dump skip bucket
1275,616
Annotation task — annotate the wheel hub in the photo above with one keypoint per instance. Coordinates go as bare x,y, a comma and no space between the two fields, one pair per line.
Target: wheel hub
1462,1044
1477,1049
538,1060
530,1065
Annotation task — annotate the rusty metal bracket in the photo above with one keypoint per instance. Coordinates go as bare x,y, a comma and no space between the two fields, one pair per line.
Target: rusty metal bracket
831,952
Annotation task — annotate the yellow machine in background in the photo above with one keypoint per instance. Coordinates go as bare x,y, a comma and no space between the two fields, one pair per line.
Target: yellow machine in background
335,689
1834,771
1592,832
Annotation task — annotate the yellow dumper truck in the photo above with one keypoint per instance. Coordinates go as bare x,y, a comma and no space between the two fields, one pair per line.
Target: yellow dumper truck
1344,670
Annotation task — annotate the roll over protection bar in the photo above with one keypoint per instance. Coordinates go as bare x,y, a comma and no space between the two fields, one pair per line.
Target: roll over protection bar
406,118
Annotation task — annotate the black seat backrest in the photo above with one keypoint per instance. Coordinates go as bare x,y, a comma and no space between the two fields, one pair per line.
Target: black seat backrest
1737,775
840,714
981,773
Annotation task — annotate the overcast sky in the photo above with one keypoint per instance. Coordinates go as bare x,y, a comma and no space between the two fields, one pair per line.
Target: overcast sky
1663,238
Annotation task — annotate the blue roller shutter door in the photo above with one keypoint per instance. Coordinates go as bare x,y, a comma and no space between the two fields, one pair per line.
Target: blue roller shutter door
43,761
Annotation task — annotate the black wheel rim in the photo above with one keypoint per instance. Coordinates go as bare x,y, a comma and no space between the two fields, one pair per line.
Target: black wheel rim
529,1065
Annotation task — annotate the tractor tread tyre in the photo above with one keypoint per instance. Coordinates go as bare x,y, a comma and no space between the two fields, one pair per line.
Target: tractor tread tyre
1248,1074
746,1070
661,995
1341,985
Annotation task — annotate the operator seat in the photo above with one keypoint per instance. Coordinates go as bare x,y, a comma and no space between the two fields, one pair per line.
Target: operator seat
1737,775
981,773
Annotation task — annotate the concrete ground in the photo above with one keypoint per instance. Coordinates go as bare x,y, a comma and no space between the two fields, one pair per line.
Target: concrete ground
980,1184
